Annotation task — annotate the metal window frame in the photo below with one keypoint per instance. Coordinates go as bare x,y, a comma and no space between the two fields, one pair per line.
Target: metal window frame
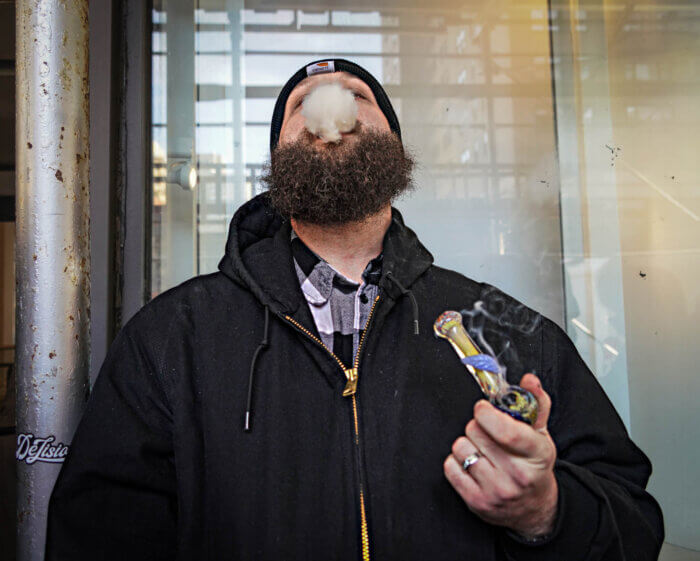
120,139
133,173
103,121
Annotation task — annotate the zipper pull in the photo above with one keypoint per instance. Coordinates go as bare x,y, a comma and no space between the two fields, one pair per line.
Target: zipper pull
351,386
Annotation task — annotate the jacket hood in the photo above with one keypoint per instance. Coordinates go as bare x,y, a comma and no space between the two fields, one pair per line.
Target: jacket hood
258,256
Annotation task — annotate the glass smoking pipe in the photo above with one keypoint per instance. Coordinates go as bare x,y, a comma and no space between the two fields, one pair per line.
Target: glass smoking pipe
514,400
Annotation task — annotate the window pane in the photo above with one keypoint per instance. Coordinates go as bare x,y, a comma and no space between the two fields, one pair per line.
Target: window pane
628,115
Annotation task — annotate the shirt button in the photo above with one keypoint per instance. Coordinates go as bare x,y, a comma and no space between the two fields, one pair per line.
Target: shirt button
363,298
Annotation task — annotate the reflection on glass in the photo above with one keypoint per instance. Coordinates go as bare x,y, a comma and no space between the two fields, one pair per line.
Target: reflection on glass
559,138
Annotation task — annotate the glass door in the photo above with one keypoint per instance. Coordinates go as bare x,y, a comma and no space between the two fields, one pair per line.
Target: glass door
556,144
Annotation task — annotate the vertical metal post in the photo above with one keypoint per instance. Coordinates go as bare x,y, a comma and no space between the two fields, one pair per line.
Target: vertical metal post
52,250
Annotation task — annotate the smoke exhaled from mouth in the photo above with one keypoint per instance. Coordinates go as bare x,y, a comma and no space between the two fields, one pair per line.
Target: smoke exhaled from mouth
330,110
338,183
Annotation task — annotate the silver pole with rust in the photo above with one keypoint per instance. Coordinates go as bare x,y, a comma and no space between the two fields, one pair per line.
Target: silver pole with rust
52,251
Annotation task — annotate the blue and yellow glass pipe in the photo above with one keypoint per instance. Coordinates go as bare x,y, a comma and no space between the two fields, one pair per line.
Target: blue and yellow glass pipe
514,400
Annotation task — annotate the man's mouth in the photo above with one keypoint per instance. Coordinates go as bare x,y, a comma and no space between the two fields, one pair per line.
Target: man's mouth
319,141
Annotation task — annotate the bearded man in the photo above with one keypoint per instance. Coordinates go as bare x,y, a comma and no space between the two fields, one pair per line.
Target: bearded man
296,404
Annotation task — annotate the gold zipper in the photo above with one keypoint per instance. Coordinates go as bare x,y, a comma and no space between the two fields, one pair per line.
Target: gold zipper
364,531
351,386
350,391
312,336
363,528
350,373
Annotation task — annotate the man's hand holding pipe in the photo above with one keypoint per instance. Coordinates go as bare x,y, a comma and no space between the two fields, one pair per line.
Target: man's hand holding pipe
512,484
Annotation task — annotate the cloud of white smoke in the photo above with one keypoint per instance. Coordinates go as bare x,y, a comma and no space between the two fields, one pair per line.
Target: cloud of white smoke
330,110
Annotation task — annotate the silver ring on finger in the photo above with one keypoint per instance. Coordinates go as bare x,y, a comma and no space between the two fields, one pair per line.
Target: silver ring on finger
470,460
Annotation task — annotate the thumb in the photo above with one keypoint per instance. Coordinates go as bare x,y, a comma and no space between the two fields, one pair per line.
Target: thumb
532,383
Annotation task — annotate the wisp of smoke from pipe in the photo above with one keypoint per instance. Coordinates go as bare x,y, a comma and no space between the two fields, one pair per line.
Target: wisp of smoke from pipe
494,307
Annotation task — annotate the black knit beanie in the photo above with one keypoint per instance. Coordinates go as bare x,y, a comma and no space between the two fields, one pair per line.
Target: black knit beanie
331,65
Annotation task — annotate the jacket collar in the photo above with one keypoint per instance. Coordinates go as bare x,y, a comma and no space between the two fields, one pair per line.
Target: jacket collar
405,257
259,257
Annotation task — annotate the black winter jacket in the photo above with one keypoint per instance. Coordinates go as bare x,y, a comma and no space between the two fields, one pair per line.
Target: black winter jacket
161,467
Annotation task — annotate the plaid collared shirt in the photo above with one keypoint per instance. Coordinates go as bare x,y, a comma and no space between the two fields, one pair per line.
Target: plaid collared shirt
340,307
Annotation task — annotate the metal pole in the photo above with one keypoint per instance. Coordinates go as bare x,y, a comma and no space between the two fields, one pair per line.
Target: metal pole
52,251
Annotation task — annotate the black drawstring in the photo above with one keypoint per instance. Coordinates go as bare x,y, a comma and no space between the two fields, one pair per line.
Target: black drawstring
263,345
414,303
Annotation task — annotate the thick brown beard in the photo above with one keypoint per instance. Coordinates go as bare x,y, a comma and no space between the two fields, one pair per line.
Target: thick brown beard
338,184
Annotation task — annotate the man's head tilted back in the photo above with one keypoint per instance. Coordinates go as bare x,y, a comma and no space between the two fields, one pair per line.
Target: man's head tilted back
335,143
